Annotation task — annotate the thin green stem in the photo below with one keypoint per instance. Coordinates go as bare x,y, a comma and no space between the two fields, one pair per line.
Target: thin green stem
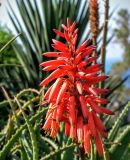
31,131
92,151
105,31
21,93
5,46
58,151
35,99
11,65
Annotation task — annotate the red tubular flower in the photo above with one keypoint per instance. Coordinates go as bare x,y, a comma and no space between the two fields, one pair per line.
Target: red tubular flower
74,98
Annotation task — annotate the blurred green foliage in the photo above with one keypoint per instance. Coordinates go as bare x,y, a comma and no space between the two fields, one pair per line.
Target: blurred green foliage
8,55
122,68
10,66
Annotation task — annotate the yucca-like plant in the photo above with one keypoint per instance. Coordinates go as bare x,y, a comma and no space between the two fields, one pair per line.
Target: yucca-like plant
39,18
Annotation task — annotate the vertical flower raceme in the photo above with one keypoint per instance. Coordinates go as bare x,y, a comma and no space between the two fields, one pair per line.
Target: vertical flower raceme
74,97
94,17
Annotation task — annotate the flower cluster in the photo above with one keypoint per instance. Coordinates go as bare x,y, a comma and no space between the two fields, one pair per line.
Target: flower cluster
74,98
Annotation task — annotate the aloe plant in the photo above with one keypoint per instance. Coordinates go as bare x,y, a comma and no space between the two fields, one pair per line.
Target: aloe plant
21,135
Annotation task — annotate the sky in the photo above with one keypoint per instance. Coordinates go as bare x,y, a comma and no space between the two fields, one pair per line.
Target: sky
114,51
